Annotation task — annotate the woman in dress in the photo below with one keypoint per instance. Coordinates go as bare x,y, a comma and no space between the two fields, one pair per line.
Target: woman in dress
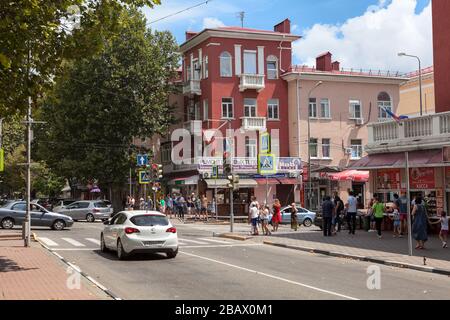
276,218
419,227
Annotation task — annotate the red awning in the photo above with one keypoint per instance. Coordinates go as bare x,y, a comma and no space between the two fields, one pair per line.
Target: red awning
290,181
262,181
350,175
422,158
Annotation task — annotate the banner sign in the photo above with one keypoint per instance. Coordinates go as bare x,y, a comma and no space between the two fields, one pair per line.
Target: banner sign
249,165
388,179
421,178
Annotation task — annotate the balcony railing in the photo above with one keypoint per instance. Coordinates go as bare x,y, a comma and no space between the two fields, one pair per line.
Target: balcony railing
253,123
193,126
421,131
192,87
252,81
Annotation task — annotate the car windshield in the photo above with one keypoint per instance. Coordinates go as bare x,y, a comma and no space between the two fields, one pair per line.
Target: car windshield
149,220
101,205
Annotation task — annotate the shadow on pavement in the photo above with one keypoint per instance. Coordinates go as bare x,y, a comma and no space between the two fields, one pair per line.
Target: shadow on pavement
111,255
8,265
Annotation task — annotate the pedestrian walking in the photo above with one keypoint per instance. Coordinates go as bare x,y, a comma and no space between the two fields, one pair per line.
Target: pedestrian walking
264,218
336,223
351,207
141,204
204,209
403,209
327,215
169,206
419,227
254,214
294,218
276,217
162,205
443,233
181,206
132,203
189,206
378,211
397,223
371,217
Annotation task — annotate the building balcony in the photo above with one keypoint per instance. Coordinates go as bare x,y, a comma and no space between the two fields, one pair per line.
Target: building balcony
252,81
193,126
192,87
426,132
253,123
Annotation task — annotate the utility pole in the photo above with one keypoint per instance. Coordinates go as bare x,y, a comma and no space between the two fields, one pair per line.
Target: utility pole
26,227
231,189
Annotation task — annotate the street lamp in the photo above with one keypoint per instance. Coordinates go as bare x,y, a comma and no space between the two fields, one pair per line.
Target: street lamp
309,147
402,54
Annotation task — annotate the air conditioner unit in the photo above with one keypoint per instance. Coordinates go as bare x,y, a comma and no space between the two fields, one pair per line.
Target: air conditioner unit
348,150
359,122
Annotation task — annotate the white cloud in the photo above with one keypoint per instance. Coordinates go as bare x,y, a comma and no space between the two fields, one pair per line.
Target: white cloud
372,41
294,27
210,22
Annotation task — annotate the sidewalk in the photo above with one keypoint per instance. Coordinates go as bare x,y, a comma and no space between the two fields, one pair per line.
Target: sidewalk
34,274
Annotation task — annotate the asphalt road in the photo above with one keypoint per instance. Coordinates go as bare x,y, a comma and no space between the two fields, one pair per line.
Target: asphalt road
216,268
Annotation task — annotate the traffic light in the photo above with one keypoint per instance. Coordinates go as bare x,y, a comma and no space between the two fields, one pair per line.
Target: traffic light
157,172
233,181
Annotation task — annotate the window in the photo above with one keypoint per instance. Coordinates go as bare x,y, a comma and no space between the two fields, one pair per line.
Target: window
384,103
149,221
273,109
188,73
357,149
225,65
326,148
121,219
313,147
227,108
19,207
272,67
250,108
249,62
206,67
166,151
355,109
197,70
205,109
325,108
101,204
83,205
312,108
250,148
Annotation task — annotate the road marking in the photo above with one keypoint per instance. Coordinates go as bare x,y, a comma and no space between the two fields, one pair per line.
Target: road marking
75,249
96,241
214,240
271,276
49,242
193,241
73,242
225,245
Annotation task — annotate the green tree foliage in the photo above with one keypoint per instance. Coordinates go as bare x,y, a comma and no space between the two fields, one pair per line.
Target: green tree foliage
49,31
100,103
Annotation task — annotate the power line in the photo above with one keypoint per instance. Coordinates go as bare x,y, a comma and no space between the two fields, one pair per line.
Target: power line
178,12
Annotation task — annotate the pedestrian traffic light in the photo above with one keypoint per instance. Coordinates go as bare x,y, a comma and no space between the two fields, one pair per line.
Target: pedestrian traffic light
227,169
157,172
233,181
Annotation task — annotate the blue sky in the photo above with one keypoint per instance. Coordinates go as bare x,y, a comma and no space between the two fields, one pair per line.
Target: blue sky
347,28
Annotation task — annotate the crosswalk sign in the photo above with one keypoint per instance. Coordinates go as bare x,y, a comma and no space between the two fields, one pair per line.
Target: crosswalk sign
144,177
266,164
264,143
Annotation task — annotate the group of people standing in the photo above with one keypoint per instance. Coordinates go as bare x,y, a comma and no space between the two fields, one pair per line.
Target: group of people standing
178,206
334,211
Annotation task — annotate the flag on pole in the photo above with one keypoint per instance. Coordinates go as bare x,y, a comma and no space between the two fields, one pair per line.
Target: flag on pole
394,116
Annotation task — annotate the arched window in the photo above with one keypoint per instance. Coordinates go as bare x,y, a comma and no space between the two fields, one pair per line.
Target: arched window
225,65
272,67
384,103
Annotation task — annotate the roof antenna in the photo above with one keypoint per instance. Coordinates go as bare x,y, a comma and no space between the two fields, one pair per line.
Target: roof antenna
241,16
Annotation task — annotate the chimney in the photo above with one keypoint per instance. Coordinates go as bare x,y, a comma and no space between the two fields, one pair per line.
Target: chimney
283,27
323,62
190,35
336,66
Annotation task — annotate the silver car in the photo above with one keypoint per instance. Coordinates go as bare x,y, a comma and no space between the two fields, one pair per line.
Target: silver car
304,216
87,210
13,213
139,232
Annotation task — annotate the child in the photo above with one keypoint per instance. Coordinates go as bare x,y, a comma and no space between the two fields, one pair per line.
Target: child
397,223
443,234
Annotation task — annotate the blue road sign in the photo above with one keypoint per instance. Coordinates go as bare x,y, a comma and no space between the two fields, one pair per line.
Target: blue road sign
144,177
142,160
265,143
266,164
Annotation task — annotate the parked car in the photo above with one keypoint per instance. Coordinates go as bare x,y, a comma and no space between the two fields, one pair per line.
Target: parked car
13,213
304,216
139,231
61,203
43,203
89,210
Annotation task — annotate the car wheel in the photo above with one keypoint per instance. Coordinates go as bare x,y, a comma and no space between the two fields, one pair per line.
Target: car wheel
103,247
121,254
307,222
172,254
58,225
7,223
90,217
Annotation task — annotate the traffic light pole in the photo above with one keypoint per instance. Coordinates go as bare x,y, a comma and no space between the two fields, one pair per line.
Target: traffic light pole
232,188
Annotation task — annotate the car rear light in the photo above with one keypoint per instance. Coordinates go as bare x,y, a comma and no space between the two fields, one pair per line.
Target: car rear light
172,230
96,210
130,230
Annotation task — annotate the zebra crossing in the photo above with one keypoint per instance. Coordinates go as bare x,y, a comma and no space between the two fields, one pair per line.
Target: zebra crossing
67,244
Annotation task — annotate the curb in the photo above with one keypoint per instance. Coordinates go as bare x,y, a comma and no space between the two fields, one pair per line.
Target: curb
10,236
396,264
77,269
232,236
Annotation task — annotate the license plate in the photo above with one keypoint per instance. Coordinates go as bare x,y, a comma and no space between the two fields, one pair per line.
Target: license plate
153,243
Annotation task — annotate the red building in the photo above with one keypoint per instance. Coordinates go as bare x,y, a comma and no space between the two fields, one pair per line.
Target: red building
232,78
441,46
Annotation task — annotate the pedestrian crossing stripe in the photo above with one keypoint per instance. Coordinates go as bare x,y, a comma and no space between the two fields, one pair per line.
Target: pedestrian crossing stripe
96,241
73,242
48,242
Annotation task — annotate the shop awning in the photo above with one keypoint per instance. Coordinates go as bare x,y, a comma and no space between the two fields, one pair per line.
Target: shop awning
262,181
350,175
247,183
193,180
217,183
421,158
290,181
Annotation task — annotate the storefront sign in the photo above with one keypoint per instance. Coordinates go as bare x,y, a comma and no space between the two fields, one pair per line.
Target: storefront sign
249,165
388,179
421,178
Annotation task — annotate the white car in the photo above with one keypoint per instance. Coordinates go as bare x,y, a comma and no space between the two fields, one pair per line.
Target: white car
139,231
